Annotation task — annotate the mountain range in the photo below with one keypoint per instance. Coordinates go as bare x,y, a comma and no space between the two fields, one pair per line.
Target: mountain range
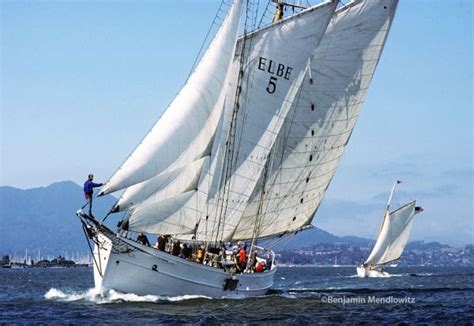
44,219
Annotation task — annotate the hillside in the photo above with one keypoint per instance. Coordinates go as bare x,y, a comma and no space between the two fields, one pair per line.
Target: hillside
316,236
44,218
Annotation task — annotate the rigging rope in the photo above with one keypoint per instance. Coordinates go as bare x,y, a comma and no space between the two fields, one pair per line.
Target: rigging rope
230,148
216,22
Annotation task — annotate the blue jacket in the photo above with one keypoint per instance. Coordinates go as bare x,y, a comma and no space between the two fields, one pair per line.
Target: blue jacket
89,185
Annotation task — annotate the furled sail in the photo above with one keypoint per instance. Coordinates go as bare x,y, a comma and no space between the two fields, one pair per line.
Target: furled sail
275,61
185,130
393,235
320,123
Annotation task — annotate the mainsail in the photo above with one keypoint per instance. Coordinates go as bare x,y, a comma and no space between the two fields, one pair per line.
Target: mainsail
320,123
393,235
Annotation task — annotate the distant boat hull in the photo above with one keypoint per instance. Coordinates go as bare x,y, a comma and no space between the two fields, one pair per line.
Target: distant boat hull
371,272
126,266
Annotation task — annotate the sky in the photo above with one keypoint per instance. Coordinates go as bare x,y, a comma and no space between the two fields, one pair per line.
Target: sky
81,82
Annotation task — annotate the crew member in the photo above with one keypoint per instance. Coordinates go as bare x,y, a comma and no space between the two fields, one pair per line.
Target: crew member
280,7
242,258
143,239
89,186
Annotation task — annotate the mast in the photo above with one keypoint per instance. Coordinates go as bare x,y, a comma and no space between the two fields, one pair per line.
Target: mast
227,168
258,219
280,7
390,196
386,213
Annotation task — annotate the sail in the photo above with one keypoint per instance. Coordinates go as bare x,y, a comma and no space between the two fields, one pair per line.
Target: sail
393,235
154,216
171,212
320,123
275,61
176,213
185,130
164,185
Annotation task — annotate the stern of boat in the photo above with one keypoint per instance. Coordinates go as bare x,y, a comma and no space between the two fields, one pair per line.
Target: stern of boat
361,271
373,272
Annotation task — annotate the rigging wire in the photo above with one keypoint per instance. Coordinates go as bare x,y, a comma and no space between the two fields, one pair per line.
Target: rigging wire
217,21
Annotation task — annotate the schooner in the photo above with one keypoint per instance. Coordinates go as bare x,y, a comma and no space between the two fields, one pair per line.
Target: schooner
392,238
246,150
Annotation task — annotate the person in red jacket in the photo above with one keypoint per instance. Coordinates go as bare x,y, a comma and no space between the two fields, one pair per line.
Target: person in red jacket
242,258
260,267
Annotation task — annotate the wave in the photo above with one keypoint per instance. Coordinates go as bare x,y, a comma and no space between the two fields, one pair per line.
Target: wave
321,291
393,275
110,296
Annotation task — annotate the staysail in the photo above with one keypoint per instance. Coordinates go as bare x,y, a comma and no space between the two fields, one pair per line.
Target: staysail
320,123
393,235
164,185
185,130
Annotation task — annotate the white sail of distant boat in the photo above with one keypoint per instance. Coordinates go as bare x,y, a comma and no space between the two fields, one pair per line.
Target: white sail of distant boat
391,240
245,151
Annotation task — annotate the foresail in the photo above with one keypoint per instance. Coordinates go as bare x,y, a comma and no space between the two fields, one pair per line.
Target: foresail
319,125
177,215
273,72
165,185
185,130
393,236
150,216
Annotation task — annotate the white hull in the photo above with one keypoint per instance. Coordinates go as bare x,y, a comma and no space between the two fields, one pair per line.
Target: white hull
371,272
133,268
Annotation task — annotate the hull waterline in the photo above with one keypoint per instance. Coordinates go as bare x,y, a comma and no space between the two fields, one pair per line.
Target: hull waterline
371,272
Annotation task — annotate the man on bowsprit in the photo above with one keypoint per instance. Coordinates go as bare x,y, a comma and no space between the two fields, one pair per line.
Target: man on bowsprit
89,186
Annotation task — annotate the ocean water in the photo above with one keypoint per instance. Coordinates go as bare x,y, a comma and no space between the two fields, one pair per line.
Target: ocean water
302,295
